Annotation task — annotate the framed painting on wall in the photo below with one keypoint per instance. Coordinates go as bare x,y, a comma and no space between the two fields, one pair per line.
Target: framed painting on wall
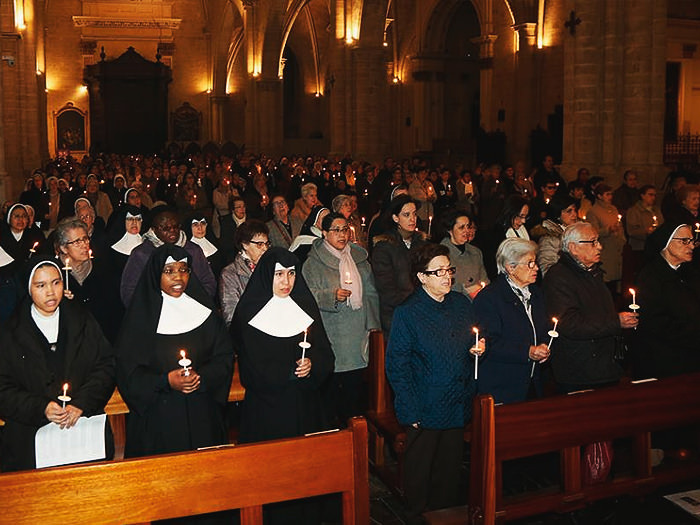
70,124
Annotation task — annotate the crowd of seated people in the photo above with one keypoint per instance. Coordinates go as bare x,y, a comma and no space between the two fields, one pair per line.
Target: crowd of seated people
160,253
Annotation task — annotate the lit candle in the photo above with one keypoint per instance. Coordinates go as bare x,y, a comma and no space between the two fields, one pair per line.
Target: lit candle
184,362
67,268
553,334
634,296
363,222
430,223
353,238
654,222
476,357
483,284
64,398
546,201
90,253
33,248
619,218
348,279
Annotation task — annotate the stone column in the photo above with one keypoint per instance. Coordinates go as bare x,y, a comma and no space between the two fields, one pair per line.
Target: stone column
217,108
488,112
614,80
527,80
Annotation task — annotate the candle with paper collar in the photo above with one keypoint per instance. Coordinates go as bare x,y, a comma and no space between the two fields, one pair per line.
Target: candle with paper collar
476,357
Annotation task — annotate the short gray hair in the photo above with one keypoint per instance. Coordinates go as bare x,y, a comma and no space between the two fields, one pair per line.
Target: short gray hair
66,225
307,188
512,250
574,233
339,201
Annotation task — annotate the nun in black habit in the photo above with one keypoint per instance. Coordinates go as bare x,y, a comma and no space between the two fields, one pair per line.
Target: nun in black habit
49,341
173,409
283,394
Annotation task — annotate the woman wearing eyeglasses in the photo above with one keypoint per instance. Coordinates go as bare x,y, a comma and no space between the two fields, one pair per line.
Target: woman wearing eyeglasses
668,292
512,316
340,278
175,405
431,371
252,238
92,280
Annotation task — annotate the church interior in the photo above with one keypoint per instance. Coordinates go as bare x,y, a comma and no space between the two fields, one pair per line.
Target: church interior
608,85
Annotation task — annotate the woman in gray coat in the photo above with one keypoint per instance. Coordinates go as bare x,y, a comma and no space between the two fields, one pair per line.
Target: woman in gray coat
340,278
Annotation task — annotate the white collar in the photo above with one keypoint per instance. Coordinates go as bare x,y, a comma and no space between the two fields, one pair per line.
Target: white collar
181,315
127,243
5,258
48,325
207,247
281,317
17,236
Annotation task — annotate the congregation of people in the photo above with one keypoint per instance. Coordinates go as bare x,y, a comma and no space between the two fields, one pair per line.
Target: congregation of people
155,276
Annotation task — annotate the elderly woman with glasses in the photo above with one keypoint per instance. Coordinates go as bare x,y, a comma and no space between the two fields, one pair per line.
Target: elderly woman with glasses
512,316
340,278
429,367
91,280
252,240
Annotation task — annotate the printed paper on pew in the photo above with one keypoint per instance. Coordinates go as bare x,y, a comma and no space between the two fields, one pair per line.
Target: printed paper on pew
689,501
83,442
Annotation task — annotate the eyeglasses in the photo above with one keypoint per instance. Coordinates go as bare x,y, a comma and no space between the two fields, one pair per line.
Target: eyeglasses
181,269
594,242
279,204
78,242
529,264
344,229
523,217
440,272
685,240
261,243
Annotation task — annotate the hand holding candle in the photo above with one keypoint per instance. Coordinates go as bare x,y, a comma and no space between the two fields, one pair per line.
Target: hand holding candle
303,368
553,334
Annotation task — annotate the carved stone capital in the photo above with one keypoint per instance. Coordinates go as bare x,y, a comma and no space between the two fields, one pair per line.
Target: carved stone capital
126,23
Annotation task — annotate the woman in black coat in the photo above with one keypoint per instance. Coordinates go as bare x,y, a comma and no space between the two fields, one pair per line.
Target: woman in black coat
47,342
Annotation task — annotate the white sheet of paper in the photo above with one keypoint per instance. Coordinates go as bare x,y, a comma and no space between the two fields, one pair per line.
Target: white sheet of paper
689,501
85,441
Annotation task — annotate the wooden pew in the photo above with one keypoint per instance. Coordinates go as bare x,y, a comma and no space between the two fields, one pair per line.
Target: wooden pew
565,424
116,411
381,420
185,484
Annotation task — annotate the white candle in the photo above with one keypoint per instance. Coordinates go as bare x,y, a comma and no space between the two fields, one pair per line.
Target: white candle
64,398
553,334
619,218
304,345
363,222
634,295
556,322
305,334
430,223
476,357
654,222
184,362
67,268
33,248
348,279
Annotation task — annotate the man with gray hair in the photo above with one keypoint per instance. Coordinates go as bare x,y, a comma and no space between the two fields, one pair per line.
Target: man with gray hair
590,330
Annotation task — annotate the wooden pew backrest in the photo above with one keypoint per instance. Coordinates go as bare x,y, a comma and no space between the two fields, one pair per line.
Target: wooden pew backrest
160,487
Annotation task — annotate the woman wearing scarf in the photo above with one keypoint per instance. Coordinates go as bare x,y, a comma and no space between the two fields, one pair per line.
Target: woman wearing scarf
197,231
340,278
8,284
173,409
18,240
47,342
91,279
512,316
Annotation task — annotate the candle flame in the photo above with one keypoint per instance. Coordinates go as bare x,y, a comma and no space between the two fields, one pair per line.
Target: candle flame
35,245
475,330
183,354
555,320
632,291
